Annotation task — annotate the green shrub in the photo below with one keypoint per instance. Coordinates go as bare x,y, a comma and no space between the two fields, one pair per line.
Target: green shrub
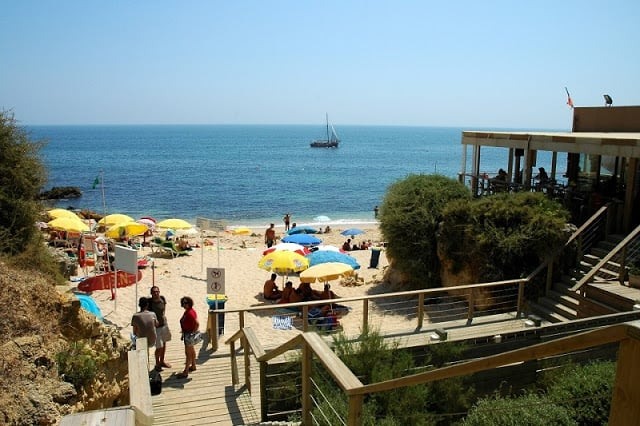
503,236
22,175
586,391
530,410
409,218
77,364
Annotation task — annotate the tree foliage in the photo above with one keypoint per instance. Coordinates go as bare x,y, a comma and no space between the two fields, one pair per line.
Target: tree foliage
409,217
22,176
502,236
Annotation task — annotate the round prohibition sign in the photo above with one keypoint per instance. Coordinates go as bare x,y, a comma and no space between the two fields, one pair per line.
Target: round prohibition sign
216,286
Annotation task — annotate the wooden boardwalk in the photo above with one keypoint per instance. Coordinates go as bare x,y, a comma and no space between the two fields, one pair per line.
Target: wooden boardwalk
207,396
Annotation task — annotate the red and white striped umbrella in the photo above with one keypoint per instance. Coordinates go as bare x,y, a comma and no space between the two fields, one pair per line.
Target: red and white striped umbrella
300,249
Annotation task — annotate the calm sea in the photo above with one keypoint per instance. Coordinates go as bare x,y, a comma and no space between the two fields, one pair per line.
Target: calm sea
244,175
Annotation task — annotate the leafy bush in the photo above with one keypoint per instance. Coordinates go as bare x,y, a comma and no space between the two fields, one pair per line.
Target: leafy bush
586,391
22,175
530,409
409,217
78,364
502,236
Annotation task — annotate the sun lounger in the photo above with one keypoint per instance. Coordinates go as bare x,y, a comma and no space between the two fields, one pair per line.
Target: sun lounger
170,247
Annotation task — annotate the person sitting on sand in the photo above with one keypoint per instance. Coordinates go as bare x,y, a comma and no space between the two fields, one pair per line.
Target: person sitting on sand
347,245
271,290
307,293
327,229
286,293
183,244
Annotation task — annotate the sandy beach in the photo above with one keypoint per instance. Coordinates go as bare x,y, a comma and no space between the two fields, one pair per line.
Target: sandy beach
239,256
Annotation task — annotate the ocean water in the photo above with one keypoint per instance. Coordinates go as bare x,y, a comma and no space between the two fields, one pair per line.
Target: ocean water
244,174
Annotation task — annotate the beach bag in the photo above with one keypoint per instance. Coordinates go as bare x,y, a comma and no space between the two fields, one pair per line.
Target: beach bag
155,382
192,338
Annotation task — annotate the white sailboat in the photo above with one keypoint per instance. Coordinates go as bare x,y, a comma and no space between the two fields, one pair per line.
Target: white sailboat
331,141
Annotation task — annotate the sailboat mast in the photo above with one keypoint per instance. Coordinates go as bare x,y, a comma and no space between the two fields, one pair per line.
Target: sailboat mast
327,116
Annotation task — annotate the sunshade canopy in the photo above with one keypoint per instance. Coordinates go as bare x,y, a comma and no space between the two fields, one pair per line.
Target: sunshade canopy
325,272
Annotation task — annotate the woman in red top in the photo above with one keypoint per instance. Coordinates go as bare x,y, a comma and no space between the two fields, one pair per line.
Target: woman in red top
190,335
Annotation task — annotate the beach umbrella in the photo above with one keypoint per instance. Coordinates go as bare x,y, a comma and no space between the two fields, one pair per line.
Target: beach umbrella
323,247
302,239
189,232
114,219
352,232
322,218
242,231
56,213
302,230
147,221
126,228
284,262
69,224
319,257
325,272
288,247
174,224
149,218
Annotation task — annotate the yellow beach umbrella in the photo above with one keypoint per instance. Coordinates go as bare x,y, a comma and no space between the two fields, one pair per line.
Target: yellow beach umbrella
69,224
284,262
325,272
114,219
174,224
126,228
56,213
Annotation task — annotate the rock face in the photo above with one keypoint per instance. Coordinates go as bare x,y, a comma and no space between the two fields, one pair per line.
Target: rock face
38,322
61,193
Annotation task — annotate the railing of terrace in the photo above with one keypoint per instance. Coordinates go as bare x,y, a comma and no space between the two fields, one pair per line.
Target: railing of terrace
625,399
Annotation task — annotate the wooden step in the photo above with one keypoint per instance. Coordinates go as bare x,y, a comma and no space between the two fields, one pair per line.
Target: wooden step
559,308
546,313
564,298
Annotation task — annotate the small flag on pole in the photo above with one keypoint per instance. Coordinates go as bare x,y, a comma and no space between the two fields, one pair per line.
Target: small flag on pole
569,100
96,182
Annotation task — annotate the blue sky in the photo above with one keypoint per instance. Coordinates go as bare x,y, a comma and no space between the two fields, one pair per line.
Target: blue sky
464,63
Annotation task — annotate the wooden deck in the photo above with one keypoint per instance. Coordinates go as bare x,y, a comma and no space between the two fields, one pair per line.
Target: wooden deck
208,397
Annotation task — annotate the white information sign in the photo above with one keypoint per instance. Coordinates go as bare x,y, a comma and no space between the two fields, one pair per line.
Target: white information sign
215,281
126,259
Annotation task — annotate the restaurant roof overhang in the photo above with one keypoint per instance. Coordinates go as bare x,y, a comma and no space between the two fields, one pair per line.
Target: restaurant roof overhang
595,143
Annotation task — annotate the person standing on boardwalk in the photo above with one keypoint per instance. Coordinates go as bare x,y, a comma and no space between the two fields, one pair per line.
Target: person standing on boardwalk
158,304
145,322
270,235
190,335
287,220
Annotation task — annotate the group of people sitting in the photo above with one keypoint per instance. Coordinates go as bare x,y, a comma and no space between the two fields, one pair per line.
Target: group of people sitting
303,293
364,245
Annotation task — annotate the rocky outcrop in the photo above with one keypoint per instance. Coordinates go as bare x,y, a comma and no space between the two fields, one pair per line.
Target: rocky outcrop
61,193
38,323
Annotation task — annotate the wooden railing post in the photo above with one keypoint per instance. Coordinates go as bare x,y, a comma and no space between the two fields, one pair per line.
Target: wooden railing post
263,392
520,298
234,363
472,305
355,410
307,355
626,392
365,315
420,310
212,329
305,318
247,362
549,280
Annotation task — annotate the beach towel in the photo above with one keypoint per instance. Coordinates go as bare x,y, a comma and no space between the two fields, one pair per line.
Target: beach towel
282,322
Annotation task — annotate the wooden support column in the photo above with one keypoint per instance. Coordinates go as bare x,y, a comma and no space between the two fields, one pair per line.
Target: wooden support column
420,310
625,401
472,305
630,190
355,410
365,315
307,357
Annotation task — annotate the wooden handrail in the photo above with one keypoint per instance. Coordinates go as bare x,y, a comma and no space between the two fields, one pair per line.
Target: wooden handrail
621,245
